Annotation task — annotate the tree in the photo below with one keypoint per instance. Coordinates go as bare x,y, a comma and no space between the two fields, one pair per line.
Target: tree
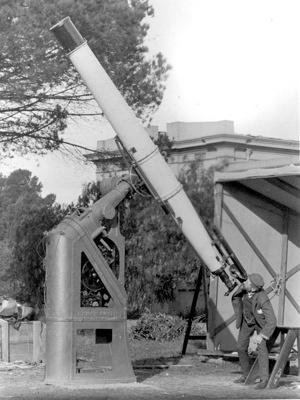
25,216
4,266
90,194
198,183
164,143
40,90
158,256
18,183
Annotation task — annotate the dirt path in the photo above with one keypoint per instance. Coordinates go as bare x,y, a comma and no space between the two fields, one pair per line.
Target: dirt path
190,377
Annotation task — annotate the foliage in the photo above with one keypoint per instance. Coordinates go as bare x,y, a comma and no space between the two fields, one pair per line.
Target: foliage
159,327
4,266
155,253
18,183
25,216
39,87
158,256
164,144
90,194
198,185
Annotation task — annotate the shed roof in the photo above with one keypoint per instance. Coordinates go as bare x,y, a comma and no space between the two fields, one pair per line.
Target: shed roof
276,179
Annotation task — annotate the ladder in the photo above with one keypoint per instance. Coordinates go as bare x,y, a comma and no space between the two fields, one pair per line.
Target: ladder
201,278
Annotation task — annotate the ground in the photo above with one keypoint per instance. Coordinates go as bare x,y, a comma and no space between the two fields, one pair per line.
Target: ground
162,373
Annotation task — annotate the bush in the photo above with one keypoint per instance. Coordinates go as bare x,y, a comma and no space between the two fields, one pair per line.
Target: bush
159,327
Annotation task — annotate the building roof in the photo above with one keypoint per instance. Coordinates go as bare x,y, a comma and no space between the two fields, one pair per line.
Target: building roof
276,179
196,135
247,140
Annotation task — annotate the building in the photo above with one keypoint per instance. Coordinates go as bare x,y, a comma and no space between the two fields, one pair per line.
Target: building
258,214
208,143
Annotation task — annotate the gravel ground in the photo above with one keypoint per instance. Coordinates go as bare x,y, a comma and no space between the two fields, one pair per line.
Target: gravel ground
161,372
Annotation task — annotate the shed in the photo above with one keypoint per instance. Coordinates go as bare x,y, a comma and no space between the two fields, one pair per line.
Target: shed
257,210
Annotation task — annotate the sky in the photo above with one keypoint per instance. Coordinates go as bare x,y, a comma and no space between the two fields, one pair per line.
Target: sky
231,59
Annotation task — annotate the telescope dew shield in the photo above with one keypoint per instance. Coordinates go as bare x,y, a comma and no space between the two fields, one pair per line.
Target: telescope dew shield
67,34
136,141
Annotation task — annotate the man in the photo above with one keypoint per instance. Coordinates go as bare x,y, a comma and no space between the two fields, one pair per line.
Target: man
254,312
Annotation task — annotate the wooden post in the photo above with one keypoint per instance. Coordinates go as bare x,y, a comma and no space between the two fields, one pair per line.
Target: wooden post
214,283
211,312
282,358
298,348
283,267
36,340
218,194
5,340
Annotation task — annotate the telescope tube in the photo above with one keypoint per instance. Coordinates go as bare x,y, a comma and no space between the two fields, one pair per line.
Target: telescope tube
147,158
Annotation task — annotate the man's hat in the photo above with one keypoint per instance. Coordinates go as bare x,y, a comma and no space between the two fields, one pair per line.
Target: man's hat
257,280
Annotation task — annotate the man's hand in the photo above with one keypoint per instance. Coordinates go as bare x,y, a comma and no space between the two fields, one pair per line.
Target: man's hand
258,339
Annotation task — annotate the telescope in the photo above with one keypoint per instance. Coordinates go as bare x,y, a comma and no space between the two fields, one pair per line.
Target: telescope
145,157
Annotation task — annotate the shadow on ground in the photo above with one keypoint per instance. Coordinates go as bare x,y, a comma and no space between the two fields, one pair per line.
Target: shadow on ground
148,367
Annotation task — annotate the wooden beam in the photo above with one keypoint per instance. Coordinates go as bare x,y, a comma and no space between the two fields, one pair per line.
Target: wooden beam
240,187
274,192
218,195
222,326
36,341
259,254
293,271
285,186
283,267
5,343
187,335
282,358
249,241
292,300
212,314
298,347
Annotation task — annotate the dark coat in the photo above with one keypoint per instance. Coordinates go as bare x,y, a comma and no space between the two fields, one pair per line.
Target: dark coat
261,308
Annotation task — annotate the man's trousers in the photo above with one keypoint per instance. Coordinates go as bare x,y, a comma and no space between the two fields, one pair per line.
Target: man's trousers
245,333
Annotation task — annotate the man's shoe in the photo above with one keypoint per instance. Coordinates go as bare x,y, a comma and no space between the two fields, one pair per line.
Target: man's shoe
240,380
262,384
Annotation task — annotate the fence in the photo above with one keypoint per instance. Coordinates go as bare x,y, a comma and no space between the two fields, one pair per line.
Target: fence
24,343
